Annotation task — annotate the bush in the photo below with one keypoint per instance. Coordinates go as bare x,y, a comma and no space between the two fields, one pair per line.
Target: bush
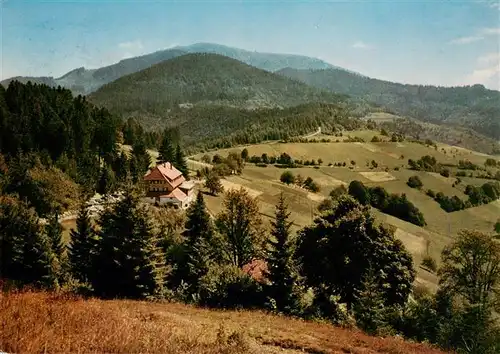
261,164
228,286
445,172
287,177
414,182
429,263
375,139
431,193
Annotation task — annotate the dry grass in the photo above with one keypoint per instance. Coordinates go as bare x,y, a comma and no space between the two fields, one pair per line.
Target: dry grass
41,322
378,176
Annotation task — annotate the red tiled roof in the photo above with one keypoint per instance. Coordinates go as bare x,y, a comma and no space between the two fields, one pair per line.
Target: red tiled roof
176,193
165,172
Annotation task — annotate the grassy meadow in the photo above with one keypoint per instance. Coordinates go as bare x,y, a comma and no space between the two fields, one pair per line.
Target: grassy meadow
391,173
54,323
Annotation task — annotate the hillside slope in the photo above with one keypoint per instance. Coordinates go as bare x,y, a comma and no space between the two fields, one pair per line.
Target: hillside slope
84,81
204,79
471,106
41,322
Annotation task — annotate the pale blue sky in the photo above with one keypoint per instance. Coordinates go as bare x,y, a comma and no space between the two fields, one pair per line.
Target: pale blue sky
443,42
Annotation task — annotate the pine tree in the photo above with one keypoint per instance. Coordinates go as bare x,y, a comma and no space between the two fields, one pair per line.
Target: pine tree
166,150
121,167
279,258
142,159
53,230
180,161
129,260
106,181
199,245
26,255
82,247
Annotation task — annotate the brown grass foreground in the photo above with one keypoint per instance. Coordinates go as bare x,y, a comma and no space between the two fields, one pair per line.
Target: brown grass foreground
50,323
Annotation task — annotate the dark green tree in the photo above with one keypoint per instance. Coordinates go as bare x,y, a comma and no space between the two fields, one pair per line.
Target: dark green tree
107,181
358,190
281,270
82,246
26,254
287,177
167,153
129,259
53,229
180,161
239,225
213,183
141,159
343,244
199,245
244,154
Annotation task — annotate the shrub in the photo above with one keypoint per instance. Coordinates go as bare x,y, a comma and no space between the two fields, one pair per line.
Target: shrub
287,177
431,193
445,172
414,182
429,263
358,190
228,286
375,139
261,164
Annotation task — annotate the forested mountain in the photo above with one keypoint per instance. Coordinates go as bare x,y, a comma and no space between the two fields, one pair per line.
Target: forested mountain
84,81
201,79
472,106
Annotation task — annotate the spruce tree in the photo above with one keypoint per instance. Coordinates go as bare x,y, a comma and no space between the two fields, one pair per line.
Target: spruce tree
106,181
26,254
82,247
280,268
142,158
199,247
180,161
166,150
129,260
54,230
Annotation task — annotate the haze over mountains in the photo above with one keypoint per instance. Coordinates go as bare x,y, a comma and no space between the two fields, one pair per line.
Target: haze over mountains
84,81
154,83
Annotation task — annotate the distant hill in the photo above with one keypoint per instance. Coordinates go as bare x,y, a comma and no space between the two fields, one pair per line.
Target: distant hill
204,79
84,81
472,106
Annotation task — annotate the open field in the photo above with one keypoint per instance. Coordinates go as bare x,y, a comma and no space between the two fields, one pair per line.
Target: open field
41,322
391,173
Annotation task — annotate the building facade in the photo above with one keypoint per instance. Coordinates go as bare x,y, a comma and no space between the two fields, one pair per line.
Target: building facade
165,185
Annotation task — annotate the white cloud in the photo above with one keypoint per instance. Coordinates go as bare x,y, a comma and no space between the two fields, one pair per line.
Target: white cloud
132,45
481,34
361,45
487,72
489,58
466,40
491,31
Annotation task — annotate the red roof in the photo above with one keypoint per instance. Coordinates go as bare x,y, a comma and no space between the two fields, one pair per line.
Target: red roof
176,193
165,172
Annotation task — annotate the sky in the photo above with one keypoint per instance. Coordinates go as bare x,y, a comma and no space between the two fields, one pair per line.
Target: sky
437,42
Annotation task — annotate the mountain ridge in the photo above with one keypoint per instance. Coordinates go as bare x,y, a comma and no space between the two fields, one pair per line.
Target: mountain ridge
85,81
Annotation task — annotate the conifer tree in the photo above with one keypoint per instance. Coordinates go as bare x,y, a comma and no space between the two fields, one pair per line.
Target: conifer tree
53,230
82,247
281,271
129,260
180,161
106,181
166,150
199,245
121,167
26,255
142,159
